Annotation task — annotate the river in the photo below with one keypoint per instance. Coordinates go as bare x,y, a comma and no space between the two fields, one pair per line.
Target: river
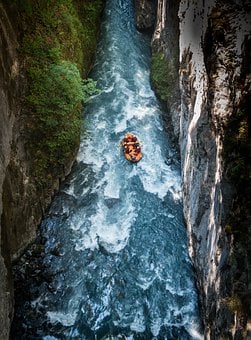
115,238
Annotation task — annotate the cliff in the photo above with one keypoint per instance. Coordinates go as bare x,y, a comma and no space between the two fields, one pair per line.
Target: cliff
214,85
9,64
210,117
165,62
40,44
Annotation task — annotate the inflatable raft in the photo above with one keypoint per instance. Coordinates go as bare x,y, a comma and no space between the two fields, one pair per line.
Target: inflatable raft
131,148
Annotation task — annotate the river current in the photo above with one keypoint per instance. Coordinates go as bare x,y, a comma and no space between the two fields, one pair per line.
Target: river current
121,266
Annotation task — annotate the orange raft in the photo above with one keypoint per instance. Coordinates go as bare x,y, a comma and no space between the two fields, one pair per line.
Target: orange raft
131,148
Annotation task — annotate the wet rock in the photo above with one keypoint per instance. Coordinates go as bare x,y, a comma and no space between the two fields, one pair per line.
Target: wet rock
110,202
57,250
145,14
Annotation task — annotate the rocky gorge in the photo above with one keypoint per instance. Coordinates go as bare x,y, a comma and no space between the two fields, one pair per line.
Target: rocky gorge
201,73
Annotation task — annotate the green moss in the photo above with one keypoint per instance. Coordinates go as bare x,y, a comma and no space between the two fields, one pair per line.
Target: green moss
234,304
57,118
90,14
56,50
228,229
218,19
237,144
219,24
237,149
164,76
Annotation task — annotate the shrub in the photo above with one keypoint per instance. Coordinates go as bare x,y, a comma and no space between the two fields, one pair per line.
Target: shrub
234,304
56,98
58,45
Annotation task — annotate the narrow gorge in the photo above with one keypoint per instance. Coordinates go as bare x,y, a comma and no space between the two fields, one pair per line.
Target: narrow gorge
112,240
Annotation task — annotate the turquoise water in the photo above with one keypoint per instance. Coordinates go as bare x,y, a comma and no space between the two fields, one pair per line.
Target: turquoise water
123,268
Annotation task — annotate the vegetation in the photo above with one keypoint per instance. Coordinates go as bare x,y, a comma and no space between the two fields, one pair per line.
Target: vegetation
237,145
58,46
234,304
237,158
164,76
219,24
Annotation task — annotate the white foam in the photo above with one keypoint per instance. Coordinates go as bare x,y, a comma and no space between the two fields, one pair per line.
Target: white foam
90,155
121,125
37,302
145,283
76,222
112,189
175,291
134,111
107,228
158,178
142,76
86,242
138,324
141,112
113,238
108,89
156,325
195,334
101,317
66,319
111,180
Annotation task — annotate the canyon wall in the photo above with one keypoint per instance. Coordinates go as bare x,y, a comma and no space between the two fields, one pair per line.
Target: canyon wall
214,83
9,83
22,203
214,86
25,191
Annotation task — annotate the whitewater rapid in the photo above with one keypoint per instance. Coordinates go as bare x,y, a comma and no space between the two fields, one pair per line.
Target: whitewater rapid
123,268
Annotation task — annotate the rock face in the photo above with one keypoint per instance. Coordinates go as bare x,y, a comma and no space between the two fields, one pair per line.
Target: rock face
214,85
9,74
213,40
23,200
165,40
21,205
145,14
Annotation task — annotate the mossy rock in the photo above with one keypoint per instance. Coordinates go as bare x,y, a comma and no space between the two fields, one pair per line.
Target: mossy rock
164,76
58,47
